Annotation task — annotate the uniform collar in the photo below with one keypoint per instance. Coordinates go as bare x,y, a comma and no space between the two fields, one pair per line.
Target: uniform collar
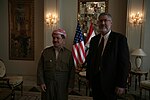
59,49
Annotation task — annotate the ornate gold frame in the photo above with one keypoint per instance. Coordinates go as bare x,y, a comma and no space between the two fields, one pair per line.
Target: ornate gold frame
87,15
21,29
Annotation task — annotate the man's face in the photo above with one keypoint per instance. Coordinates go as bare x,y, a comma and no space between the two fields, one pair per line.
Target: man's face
104,24
58,41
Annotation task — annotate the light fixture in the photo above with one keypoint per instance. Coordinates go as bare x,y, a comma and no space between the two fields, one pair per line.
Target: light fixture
136,18
139,53
51,19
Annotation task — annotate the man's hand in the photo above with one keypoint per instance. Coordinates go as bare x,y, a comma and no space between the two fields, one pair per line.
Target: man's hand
43,87
70,90
119,91
88,83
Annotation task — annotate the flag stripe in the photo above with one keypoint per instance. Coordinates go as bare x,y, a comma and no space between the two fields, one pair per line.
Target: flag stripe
74,56
80,57
78,49
83,51
90,33
90,36
88,39
78,54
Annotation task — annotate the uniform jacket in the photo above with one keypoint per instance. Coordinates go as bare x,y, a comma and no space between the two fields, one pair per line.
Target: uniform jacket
48,65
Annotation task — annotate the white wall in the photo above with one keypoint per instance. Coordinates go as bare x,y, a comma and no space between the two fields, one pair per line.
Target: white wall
50,6
134,31
118,10
67,13
146,62
68,19
21,67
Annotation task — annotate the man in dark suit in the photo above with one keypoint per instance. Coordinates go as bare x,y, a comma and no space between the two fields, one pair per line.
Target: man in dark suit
107,64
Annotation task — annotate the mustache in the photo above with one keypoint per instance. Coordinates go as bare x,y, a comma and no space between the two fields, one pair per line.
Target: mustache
102,26
55,42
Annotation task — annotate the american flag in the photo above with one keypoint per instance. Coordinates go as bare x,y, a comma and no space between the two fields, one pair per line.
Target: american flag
78,49
88,38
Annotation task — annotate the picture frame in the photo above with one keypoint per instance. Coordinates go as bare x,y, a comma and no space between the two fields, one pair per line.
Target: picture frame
88,11
21,29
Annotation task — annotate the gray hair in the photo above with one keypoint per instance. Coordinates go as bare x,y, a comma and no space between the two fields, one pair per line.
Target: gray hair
107,14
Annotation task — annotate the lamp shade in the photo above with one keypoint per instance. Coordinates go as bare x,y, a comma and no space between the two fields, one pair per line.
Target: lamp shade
138,52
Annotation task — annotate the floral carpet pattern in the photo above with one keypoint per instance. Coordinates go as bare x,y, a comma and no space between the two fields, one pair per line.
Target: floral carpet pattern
37,96
33,93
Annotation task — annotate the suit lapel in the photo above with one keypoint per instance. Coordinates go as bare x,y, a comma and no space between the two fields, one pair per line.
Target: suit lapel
96,42
108,44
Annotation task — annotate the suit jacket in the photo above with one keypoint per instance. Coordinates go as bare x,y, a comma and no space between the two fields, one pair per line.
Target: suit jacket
115,62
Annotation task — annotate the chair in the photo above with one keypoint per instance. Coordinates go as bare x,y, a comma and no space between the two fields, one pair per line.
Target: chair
145,85
12,82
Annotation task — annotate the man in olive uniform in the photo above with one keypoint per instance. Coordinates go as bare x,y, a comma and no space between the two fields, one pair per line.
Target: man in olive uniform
56,72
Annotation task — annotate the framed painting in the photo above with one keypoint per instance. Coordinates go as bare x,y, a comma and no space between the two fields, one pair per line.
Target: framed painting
21,29
88,11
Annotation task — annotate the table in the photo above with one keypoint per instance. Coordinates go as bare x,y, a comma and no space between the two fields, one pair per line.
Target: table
6,94
138,74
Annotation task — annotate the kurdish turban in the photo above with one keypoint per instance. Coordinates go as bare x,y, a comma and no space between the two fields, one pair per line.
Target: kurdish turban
59,32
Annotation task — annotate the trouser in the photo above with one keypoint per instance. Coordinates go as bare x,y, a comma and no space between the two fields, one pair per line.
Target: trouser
98,92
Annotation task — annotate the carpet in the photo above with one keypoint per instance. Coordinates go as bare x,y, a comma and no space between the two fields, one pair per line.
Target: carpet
33,93
27,95
34,89
37,96
75,97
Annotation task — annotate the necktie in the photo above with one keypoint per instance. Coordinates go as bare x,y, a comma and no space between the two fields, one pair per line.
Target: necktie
101,46
99,54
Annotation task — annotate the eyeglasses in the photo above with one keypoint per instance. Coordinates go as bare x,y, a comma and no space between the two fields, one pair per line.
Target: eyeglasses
104,20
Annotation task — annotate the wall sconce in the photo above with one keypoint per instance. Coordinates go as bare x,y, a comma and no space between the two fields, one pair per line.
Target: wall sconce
136,18
139,53
51,19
